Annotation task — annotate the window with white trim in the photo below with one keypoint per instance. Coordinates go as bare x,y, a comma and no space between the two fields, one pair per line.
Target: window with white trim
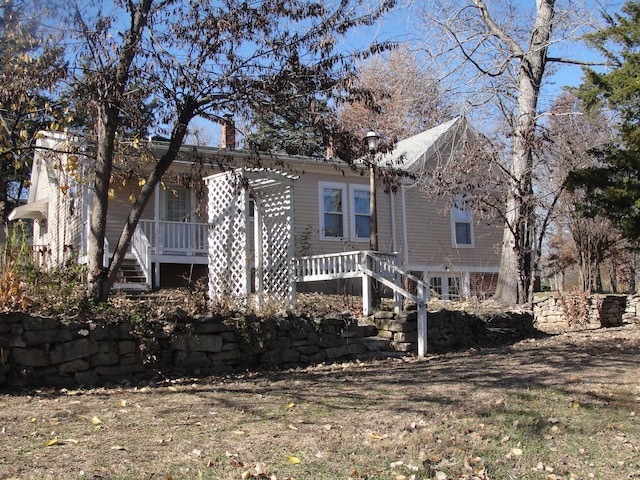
435,284
177,204
333,220
360,213
445,287
461,227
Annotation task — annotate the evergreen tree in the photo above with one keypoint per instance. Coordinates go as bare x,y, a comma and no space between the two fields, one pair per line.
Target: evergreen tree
613,188
290,127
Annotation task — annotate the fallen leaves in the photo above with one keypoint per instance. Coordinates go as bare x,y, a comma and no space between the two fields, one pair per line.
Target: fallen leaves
517,452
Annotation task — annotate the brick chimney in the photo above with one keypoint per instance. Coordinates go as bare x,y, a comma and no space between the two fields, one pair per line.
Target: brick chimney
228,133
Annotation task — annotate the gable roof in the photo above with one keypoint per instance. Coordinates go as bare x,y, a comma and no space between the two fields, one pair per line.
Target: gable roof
429,148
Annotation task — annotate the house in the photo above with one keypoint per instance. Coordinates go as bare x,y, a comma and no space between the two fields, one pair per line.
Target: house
329,203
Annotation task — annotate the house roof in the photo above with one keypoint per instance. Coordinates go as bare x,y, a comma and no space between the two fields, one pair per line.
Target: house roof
429,148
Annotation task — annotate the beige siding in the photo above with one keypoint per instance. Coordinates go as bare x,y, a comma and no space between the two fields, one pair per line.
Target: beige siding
428,223
430,236
59,238
307,205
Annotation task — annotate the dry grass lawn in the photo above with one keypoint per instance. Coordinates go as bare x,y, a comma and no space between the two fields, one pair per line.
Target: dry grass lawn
562,407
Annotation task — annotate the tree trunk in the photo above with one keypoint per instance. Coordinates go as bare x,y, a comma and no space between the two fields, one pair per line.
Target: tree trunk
97,285
516,266
109,100
177,138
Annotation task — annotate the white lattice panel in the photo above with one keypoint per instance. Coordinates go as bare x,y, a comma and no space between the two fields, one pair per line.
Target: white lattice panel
277,280
228,276
229,269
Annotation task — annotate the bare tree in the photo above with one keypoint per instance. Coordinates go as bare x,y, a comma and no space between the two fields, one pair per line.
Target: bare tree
195,59
395,95
569,138
509,49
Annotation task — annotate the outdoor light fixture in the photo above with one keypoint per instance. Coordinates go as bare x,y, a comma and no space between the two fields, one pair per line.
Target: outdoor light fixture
373,141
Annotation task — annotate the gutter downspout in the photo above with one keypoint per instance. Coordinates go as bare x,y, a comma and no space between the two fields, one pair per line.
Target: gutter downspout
394,240
405,246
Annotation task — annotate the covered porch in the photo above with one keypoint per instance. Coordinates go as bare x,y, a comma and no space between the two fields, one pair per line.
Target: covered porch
157,243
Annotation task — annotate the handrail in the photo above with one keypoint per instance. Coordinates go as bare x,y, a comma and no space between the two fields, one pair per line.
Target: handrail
397,271
174,237
141,249
332,265
367,265
378,265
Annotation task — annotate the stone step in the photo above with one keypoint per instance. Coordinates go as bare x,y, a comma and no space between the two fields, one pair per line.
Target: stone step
377,344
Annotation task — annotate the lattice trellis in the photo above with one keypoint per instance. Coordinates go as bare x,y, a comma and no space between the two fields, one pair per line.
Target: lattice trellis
228,279
229,263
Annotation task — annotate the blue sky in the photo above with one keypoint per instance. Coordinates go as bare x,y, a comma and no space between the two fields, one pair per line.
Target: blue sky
404,24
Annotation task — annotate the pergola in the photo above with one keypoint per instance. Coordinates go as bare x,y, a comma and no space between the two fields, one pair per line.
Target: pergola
235,243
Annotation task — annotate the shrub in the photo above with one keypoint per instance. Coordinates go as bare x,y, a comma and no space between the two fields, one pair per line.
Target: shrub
13,295
24,284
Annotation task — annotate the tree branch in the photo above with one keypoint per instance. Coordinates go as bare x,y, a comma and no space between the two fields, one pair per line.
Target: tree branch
495,30
571,61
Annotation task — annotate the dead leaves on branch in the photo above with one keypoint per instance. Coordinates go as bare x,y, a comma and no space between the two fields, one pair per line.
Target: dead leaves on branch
13,295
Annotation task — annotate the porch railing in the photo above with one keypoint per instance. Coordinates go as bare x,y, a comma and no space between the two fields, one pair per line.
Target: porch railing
333,266
376,264
176,238
141,249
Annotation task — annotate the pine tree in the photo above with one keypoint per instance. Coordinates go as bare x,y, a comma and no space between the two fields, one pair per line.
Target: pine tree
613,188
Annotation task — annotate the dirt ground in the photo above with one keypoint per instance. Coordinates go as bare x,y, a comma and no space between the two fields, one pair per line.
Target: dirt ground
559,407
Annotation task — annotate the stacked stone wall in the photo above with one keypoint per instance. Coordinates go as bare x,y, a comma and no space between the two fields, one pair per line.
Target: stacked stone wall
556,312
454,329
47,351
41,351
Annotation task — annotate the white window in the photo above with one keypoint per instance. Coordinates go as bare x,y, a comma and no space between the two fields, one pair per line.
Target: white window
446,287
461,227
333,219
435,283
177,231
177,204
360,213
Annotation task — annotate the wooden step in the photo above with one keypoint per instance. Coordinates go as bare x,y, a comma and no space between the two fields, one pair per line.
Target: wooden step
131,277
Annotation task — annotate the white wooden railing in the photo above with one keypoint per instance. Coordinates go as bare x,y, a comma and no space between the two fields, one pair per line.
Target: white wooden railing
141,249
368,265
381,269
178,238
333,266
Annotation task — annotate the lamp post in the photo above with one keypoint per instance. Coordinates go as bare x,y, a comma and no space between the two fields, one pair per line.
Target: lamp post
373,141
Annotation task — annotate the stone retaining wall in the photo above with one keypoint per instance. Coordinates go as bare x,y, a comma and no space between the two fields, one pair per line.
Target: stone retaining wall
454,329
41,351
555,313
46,351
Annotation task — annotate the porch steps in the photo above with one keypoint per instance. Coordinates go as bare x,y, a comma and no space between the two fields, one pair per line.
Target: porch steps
131,277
